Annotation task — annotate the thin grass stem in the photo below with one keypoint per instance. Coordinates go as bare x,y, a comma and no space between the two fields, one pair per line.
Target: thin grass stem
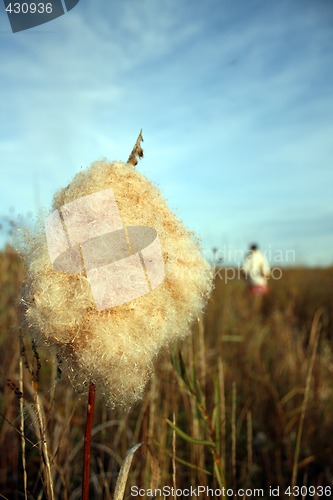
87,441
233,432
25,479
315,338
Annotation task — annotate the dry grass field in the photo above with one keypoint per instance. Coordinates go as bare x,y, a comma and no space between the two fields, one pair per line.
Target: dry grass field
245,403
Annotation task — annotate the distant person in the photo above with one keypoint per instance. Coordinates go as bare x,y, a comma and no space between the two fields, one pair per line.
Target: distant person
256,271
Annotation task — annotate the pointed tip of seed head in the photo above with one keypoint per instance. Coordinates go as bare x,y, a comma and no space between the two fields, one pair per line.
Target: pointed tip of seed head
137,151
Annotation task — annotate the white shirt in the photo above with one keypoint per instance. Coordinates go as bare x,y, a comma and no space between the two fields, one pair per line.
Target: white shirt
256,268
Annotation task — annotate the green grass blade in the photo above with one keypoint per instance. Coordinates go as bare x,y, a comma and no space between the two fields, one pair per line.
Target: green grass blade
189,438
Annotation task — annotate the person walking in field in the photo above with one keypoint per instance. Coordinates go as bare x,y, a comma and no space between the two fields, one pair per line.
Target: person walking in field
256,271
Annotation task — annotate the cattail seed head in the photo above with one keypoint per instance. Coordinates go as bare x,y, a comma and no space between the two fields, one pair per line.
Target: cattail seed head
115,347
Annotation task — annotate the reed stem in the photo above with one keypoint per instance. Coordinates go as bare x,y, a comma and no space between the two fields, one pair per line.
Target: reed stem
87,441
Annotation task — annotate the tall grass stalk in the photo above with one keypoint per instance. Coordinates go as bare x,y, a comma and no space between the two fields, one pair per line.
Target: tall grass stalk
87,441
24,466
43,443
249,443
233,433
205,423
223,418
314,338
174,481
124,471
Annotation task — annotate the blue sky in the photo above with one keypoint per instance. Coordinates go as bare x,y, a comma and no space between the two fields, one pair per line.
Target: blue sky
235,100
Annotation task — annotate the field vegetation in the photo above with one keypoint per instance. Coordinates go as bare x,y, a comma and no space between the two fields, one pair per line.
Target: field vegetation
246,402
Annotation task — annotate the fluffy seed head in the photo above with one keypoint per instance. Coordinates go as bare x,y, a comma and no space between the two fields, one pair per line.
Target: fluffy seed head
116,347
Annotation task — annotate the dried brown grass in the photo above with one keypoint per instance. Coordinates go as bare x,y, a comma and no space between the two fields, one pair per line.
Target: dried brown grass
256,368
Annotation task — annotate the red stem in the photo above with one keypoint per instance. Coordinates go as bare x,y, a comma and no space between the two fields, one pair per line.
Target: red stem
87,441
